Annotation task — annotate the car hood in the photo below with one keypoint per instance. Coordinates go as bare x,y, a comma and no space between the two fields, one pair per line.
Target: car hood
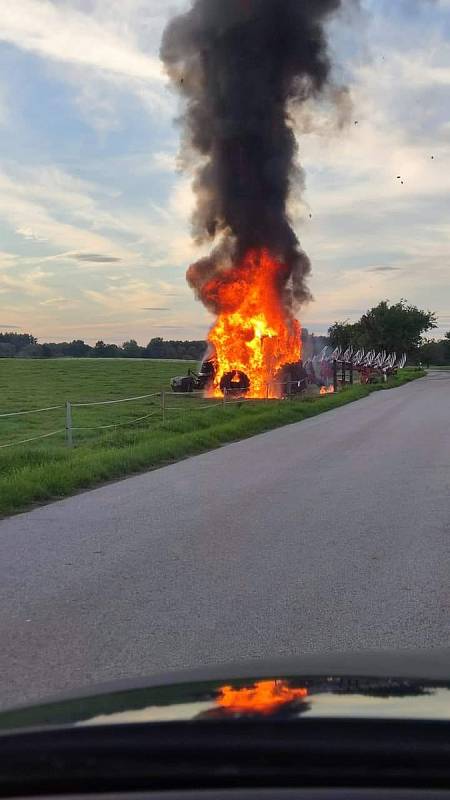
390,685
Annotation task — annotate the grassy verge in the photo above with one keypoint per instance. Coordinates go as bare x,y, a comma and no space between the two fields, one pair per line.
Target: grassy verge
49,472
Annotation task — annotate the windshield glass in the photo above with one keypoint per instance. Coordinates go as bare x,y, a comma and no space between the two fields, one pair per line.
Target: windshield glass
224,350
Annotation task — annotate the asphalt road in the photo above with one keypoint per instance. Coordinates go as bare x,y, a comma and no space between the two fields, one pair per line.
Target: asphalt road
330,534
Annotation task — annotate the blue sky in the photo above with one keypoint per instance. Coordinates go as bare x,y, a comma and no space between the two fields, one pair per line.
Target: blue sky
94,213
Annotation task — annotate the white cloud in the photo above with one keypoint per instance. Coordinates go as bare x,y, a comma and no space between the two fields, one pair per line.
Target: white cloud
60,32
59,301
90,226
32,202
31,283
7,260
164,162
53,209
96,50
125,299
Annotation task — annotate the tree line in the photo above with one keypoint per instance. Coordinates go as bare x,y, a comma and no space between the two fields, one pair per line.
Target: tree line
25,345
397,327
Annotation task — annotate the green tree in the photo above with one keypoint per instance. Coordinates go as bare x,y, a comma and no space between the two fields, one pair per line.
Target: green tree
99,349
432,352
131,349
46,351
53,350
447,347
19,340
155,348
398,327
344,334
30,351
7,350
77,348
395,328
112,351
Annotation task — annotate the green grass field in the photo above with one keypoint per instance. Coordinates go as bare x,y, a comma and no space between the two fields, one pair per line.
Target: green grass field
45,470
28,384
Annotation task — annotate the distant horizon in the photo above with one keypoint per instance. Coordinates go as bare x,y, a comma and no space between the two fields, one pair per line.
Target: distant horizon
143,343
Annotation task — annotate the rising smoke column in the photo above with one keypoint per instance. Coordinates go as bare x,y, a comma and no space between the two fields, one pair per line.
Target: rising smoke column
240,64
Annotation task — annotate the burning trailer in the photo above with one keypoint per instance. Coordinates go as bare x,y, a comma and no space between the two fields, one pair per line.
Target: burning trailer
235,381
327,371
290,379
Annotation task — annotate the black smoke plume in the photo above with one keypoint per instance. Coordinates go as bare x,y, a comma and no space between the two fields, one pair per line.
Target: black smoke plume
240,64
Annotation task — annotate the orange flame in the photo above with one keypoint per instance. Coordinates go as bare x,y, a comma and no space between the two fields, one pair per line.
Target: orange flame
264,697
326,389
254,333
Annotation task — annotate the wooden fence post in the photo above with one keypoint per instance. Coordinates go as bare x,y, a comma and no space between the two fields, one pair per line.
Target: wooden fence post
335,375
163,407
69,436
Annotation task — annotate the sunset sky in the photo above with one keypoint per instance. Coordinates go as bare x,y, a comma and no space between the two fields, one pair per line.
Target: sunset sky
94,213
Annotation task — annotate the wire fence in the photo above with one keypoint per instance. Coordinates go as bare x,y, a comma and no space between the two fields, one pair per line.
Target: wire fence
113,424
13,414
164,407
115,402
68,425
32,411
32,439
